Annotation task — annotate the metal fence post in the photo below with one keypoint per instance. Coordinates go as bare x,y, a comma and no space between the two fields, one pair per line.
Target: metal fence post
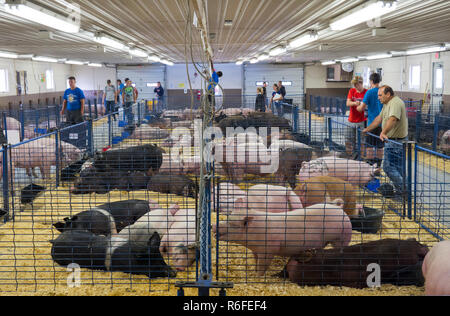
409,188
295,118
404,174
109,130
139,112
57,153
436,131
310,125
90,137
5,182
418,122
37,117
22,125
90,109
5,125
416,165
330,133
358,147
95,108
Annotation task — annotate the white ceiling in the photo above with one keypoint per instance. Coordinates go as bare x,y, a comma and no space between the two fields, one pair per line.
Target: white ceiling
159,27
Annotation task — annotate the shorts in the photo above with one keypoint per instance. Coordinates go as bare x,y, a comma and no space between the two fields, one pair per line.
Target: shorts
74,117
375,141
352,136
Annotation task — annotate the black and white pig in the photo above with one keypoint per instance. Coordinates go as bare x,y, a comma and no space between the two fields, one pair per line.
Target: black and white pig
109,218
90,251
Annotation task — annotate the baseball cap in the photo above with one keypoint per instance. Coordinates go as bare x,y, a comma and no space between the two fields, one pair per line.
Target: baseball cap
357,79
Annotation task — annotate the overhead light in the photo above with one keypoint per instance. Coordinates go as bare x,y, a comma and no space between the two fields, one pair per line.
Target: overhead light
45,59
277,51
263,57
379,56
425,50
26,56
368,11
107,41
303,40
447,45
74,62
228,23
154,58
326,63
397,53
239,62
95,65
8,55
30,11
166,62
138,53
254,60
348,60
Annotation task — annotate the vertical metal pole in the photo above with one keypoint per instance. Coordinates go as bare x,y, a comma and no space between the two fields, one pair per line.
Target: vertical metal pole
139,112
330,133
95,108
436,131
58,118
358,146
409,168
90,138
22,125
418,122
90,109
48,119
109,130
404,173
295,118
37,117
57,152
5,182
310,125
5,125
416,165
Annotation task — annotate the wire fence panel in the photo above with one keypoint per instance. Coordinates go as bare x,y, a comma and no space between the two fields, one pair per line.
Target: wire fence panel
297,197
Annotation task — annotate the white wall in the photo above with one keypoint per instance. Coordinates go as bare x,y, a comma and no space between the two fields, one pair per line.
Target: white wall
316,78
92,78
396,70
89,78
178,79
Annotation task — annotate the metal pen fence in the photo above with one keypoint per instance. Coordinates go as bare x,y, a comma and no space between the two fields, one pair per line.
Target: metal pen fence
146,159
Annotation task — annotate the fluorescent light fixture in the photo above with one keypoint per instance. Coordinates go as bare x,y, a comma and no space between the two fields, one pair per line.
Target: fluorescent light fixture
447,45
95,65
107,41
74,62
303,40
154,58
37,14
397,53
239,62
8,55
278,51
378,56
348,60
254,60
45,59
263,57
364,13
425,50
166,62
326,63
138,53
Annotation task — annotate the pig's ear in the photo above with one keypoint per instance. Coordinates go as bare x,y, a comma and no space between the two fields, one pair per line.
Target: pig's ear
173,209
154,242
246,221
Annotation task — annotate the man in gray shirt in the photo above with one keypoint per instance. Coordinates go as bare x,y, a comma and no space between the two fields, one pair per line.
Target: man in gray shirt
110,95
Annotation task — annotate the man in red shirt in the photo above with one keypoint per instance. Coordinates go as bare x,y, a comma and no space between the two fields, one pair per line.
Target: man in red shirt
356,118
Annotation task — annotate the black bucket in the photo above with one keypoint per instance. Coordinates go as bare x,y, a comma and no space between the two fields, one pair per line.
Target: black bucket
368,223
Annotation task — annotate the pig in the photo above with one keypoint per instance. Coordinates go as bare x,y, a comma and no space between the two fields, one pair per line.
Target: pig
146,132
291,160
30,193
179,244
254,119
322,189
89,251
11,124
157,220
271,199
400,263
146,158
436,270
228,196
285,234
445,143
290,144
187,124
69,173
355,172
171,164
109,218
173,184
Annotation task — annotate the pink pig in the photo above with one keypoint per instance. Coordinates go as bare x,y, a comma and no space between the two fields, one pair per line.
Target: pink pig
285,234
228,196
272,199
436,270
355,172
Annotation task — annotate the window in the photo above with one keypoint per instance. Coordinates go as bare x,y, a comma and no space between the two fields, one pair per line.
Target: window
285,83
366,77
438,79
414,77
4,86
49,80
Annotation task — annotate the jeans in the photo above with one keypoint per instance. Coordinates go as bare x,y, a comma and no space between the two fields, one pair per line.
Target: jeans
161,103
128,110
392,165
74,117
279,108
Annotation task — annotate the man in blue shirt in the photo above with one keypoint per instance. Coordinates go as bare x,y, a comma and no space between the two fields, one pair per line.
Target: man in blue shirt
213,82
374,107
74,101
159,90
120,87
